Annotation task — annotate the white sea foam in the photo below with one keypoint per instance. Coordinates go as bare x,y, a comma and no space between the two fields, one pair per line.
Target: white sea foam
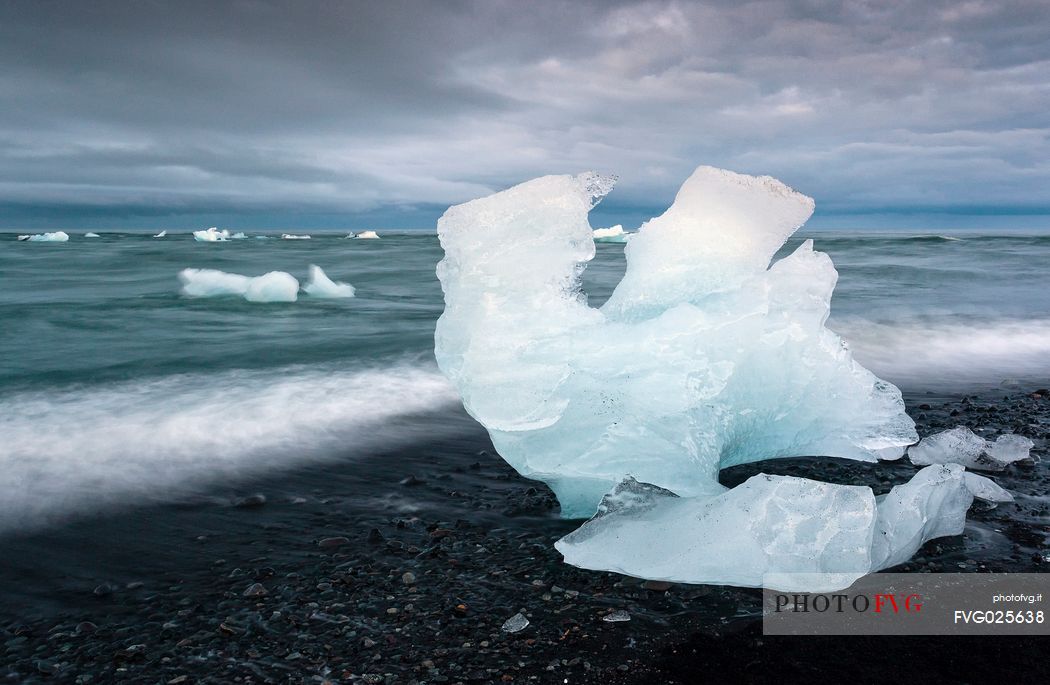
275,286
319,285
81,448
289,236
928,355
56,237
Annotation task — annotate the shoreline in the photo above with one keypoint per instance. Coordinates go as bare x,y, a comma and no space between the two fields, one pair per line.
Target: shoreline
404,566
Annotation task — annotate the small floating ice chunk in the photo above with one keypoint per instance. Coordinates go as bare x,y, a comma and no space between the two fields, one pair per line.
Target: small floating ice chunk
238,236
960,445
56,237
161,234
211,235
290,236
275,286
212,282
613,234
515,624
366,235
319,285
92,235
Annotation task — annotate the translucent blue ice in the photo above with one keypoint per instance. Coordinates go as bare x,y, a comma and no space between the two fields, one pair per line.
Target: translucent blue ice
774,531
705,356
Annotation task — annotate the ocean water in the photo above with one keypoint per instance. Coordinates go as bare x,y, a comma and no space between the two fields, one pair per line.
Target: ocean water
115,387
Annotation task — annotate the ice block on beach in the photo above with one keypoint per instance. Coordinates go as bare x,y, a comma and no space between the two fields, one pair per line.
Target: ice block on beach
960,445
705,356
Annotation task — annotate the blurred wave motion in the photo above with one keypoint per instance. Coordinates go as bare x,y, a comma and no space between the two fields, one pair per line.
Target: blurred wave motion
115,386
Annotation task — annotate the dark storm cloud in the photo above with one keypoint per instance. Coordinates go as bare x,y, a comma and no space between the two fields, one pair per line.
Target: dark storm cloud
181,109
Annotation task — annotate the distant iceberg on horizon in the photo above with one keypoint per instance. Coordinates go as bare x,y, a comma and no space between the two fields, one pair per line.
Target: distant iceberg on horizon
55,237
210,235
613,234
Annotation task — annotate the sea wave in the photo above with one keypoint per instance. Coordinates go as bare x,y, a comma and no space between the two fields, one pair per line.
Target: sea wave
971,238
933,238
939,355
83,448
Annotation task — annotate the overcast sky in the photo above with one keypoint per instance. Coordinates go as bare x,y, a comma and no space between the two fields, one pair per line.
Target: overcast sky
349,114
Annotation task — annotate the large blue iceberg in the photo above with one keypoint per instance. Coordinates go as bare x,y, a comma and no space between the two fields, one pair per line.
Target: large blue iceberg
705,356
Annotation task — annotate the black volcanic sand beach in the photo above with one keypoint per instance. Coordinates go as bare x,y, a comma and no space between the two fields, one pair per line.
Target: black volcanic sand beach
403,567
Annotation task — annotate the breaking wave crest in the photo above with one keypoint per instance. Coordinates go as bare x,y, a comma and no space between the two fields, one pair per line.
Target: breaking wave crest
925,355
83,448
934,238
